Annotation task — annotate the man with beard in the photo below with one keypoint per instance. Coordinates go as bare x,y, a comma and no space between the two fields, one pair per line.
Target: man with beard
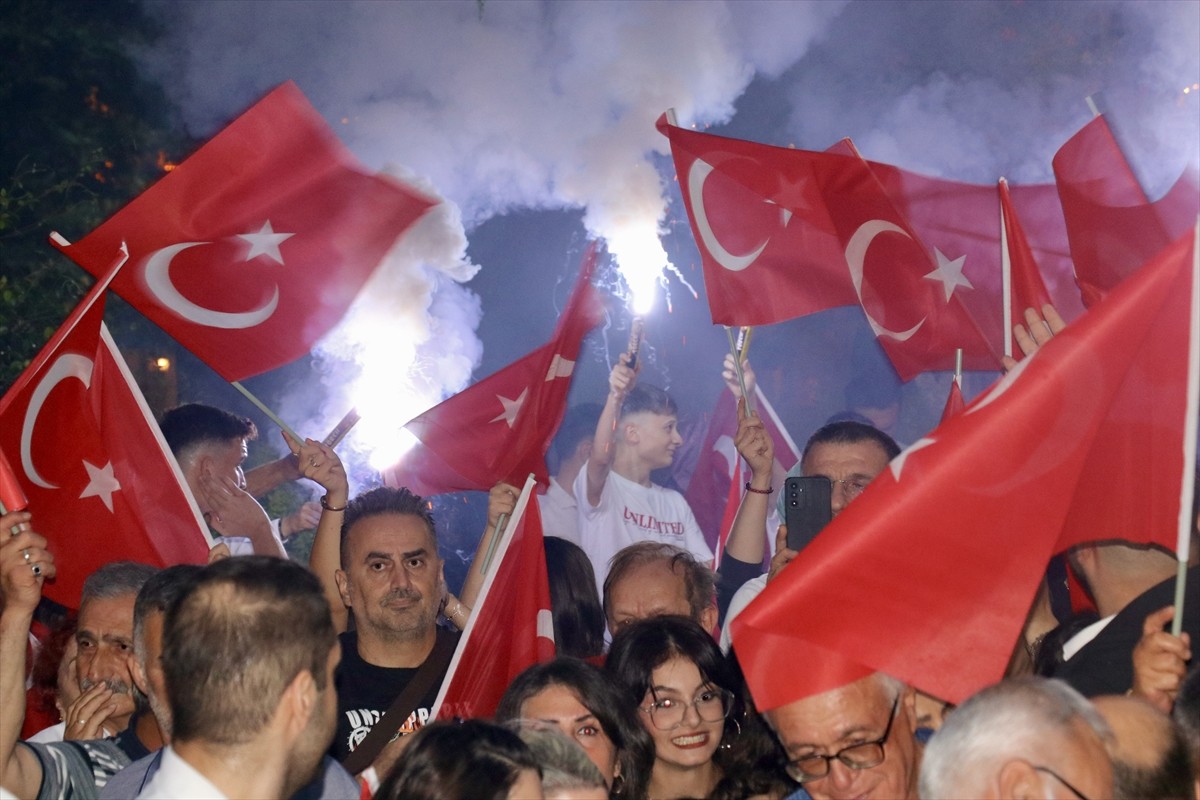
109,701
248,657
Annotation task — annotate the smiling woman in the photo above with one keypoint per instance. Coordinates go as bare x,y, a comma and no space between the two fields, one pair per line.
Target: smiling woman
708,741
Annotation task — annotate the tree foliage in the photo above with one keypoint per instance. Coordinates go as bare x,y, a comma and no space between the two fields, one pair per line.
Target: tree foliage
84,133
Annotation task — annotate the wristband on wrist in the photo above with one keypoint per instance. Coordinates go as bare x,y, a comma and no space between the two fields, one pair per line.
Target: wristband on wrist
750,488
325,504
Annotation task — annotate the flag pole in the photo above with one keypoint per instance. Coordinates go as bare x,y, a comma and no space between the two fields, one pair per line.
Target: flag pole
1184,542
1005,279
737,368
958,366
342,428
263,408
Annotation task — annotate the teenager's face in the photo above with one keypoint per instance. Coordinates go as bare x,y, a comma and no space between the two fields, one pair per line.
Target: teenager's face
657,437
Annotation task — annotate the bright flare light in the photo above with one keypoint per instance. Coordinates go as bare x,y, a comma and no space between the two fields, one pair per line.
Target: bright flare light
641,258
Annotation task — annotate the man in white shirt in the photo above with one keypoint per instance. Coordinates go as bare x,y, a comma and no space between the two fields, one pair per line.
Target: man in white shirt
248,658
570,450
618,503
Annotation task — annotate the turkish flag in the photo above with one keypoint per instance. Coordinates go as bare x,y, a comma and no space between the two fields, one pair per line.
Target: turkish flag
954,401
714,475
1112,225
785,232
1027,289
101,484
929,574
254,247
500,428
510,627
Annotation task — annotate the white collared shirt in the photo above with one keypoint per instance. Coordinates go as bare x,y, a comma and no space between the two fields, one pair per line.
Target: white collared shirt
176,779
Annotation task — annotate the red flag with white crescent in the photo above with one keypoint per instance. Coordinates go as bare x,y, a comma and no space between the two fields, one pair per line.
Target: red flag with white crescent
254,247
784,232
928,575
101,483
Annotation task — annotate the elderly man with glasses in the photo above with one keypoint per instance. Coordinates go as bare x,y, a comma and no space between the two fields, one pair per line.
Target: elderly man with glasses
858,740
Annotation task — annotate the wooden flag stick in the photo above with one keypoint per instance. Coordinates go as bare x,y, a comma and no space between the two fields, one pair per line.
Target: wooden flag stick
263,408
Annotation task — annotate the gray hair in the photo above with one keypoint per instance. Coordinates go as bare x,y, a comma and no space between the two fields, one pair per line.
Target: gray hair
116,579
1016,718
564,764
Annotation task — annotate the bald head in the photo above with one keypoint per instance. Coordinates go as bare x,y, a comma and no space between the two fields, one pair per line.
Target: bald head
1150,757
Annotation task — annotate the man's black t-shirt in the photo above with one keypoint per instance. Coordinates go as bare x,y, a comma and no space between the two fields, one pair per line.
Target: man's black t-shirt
365,692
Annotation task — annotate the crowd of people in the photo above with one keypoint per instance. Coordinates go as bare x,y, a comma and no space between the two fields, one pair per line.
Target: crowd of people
255,676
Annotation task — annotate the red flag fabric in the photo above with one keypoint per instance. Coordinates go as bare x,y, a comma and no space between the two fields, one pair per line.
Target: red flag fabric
510,627
101,484
1112,225
254,247
929,574
712,478
11,494
500,428
1028,290
733,499
785,232
954,401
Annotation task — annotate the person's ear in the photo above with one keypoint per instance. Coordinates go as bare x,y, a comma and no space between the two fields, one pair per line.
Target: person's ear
343,586
708,618
298,703
1018,780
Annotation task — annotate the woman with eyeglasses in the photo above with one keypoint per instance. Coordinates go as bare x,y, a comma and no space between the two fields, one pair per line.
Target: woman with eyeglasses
707,742
585,704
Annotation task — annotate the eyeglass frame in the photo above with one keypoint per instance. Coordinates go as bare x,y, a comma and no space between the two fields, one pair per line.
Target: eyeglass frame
793,770
851,488
727,698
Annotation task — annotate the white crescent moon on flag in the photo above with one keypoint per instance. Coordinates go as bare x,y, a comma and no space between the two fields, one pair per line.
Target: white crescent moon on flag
70,365
856,253
158,279
697,174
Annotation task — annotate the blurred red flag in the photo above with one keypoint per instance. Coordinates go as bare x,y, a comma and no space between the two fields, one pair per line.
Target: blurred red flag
1113,227
928,576
11,494
510,627
954,401
101,483
254,247
713,484
785,232
500,428
1028,290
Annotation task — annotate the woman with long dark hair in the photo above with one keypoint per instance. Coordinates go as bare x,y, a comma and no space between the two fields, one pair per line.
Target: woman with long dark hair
472,760
587,706
708,742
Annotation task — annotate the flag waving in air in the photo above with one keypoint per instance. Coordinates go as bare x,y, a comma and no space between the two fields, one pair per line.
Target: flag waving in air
1112,225
785,232
510,626
929,575
500,428
254,247
85,449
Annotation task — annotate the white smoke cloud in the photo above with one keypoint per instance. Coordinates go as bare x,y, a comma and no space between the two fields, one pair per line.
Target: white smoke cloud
499,105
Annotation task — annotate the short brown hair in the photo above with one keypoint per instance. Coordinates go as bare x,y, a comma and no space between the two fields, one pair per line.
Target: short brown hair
700,585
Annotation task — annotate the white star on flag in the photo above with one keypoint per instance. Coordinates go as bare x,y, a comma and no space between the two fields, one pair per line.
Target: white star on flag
266,242
898,462
949,273
511,407
101,483
560,368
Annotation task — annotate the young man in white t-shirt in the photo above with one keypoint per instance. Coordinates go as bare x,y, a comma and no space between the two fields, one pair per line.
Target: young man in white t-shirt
618,503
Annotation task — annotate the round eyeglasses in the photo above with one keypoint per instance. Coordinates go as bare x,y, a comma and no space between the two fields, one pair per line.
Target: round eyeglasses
857,756
712,705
